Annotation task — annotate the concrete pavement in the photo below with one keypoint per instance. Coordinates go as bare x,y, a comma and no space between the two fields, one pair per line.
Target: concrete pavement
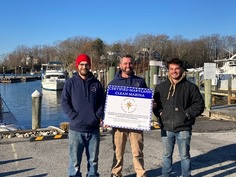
213,154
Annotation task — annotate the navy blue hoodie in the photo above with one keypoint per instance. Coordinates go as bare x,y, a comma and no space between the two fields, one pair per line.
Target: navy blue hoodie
82,101
132,81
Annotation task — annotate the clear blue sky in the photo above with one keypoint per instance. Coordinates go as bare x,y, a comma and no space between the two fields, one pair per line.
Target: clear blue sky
44,22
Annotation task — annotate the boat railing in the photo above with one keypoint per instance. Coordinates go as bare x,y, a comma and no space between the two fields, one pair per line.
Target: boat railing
6,116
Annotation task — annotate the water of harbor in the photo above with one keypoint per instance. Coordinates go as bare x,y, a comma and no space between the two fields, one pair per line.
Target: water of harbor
18,98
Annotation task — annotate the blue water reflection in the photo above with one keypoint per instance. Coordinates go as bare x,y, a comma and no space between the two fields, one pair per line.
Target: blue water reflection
18,98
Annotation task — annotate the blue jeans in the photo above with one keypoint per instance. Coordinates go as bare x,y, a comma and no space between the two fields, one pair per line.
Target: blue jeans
183,140
78,141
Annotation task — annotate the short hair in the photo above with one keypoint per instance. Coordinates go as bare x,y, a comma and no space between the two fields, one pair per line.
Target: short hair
126,56
176,61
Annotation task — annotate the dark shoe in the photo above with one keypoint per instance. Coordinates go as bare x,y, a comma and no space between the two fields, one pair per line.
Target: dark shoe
113,175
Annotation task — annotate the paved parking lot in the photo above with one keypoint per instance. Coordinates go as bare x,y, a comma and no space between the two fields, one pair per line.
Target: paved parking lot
213,154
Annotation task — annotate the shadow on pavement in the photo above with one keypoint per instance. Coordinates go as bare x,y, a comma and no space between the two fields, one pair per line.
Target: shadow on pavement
15,172
211,158
45,174
216,156
15,160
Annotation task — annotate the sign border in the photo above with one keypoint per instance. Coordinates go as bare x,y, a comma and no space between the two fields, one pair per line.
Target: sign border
124,127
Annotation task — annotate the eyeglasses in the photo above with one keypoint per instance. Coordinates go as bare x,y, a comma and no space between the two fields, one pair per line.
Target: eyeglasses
85,65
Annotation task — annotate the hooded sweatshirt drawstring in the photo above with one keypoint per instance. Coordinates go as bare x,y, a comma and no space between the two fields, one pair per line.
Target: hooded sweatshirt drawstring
86,86
88,91
172,84
169,90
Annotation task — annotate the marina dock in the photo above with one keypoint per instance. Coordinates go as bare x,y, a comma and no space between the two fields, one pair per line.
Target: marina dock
15,79
222,112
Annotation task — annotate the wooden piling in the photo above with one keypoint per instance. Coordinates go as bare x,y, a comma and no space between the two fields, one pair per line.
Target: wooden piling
197,82
70,74
147,79
213,100
111,73
229,91
153,76
105,75
36,109
207,87
154,69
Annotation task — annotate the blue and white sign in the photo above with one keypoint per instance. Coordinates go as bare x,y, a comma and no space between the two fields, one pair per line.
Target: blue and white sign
128,107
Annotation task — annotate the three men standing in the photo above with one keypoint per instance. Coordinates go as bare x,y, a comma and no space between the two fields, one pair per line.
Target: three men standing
178,103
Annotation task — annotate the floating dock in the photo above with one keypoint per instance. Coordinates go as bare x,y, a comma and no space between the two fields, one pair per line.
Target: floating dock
222,112
12,79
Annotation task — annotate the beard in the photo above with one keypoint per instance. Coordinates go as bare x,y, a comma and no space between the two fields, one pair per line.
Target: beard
84,72
127,71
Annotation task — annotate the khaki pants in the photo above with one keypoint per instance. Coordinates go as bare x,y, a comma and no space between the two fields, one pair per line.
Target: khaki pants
136,142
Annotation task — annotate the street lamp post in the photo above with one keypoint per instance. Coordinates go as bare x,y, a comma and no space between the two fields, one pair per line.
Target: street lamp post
15,71
138,63
103,58
3,71
145,54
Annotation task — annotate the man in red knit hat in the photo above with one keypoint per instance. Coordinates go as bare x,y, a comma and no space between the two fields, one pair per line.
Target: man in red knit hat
83,57
82,101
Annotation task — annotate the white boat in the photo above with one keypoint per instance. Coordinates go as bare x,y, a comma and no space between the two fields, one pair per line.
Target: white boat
8,127
225,72
8,121
54,77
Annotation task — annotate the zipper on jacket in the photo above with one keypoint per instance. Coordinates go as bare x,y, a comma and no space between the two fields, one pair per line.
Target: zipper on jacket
172,111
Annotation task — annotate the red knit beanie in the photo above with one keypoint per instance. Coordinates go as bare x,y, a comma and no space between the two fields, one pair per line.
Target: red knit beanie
82,57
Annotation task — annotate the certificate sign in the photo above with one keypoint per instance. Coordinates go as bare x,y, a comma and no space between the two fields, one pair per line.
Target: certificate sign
128,107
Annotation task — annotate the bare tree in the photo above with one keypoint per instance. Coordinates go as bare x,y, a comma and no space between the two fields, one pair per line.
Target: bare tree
214,46
67,50
229,46
194,52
